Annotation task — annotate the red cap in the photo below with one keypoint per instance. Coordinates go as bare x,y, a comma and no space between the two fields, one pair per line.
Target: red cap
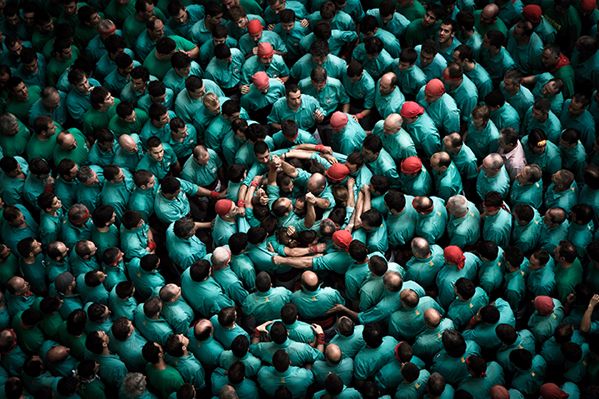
338,120
265,50
588,5
552,391
434,88
223,206
337,172
544,305
342,238
411,165
260,80
453,254
411,109
532,13
255,26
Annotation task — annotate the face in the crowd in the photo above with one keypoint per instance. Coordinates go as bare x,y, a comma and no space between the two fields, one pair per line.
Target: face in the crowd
157,153
179,134
426,59
539,115
429,19
511,85
83,86
445,33
576,108
263,158
203,156
181,17
21,92
294,99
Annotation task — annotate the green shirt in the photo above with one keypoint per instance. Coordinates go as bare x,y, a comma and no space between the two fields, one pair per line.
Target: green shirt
164,381
461,311
369,361
20,109
567,278
264,306
527,237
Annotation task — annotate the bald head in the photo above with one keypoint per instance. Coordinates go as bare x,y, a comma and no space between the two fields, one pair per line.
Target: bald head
309,279
127,143
202,326
392,123
57,354
220,257
389,78
227,392
333,353
422,204
490,11
420,248
392,281
170,292
66,140
316,183
439,159
493,162
432,317
409,298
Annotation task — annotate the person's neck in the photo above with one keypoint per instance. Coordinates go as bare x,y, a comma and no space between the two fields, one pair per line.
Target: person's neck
447,43
161,365
468,66
103,229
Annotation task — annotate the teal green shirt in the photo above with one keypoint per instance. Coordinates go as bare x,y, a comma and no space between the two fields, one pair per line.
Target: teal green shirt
303,116
454,369
369,361
363,89
464,231
444,112
206,297
330,97
295,379
299,353
334,66
432,226
499,183
448,183
275,69
184,251
266,306
527,237
425,135
461,311
449,274
483,141
348,139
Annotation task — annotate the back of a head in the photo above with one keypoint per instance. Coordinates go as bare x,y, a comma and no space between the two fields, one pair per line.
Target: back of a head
373,335
454,343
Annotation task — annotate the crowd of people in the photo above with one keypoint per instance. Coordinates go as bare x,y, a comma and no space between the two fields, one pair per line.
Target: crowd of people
299,198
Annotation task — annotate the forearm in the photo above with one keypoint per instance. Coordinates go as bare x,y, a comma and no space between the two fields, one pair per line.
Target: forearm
297,252
193,53
241,195
585,323
345,108
367,202
288,169
322,203
310,216
351,200
304,262
299,154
